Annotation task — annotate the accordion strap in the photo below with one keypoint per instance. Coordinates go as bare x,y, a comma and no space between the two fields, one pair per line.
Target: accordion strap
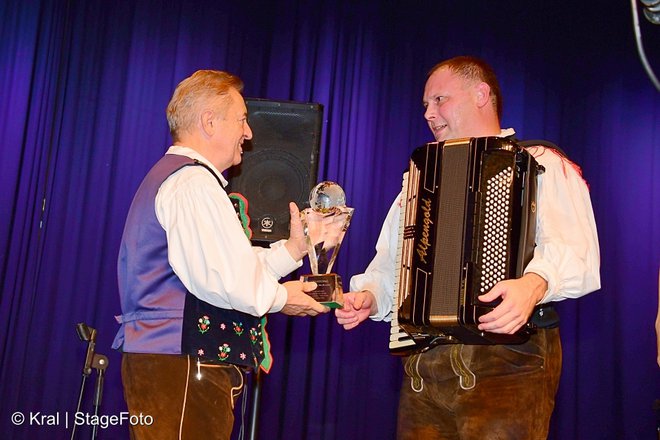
545,316
543,143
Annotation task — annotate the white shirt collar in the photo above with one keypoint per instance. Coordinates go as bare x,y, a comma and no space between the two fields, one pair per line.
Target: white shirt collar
193,154
507,132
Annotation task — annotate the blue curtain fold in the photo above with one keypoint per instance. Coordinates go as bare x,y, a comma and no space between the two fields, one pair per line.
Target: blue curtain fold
83,91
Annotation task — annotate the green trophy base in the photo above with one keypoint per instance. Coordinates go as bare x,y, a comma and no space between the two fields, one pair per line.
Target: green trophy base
328,290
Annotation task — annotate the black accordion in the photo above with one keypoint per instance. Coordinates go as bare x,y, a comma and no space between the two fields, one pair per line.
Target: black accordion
468,220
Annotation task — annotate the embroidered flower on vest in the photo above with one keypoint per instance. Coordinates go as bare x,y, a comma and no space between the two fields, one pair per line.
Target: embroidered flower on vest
223,354
238,328
204,324
254,335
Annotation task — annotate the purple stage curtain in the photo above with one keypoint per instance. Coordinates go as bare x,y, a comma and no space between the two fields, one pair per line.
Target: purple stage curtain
83,91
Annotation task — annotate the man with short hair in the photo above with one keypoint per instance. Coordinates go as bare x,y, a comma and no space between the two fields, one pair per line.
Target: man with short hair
489,391
193,290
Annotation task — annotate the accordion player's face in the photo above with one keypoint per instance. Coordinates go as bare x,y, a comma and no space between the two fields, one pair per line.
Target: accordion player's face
457,108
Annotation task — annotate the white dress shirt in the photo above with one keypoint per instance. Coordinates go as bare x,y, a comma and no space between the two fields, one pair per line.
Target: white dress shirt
567,255
208,249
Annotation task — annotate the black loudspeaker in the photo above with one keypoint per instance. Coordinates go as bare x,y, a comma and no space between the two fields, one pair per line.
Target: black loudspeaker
280,164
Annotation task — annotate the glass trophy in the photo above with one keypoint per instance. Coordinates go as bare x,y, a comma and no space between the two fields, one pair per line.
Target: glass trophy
325,223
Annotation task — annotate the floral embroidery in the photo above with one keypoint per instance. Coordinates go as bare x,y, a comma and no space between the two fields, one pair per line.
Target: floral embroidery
253,335
238,328
223,354
223,326
242,356
200,352
204,324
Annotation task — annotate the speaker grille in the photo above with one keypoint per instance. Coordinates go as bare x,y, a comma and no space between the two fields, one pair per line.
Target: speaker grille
280,163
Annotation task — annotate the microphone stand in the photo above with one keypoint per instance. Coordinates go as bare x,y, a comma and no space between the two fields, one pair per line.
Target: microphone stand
100,363
96,361
256,401
80,396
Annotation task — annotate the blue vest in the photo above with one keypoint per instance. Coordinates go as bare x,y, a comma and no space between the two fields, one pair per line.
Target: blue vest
159,315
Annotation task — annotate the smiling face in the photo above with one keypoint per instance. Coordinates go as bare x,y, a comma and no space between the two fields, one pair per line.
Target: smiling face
456,107
207,114
229,130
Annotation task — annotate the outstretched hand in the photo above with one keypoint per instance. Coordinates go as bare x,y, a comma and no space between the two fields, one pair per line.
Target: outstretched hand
298,303
358,306
519,297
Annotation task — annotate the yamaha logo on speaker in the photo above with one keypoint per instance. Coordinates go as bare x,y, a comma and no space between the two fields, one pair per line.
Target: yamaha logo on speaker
267,223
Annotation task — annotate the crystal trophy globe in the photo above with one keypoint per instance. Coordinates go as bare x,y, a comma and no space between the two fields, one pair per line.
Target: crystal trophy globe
325,223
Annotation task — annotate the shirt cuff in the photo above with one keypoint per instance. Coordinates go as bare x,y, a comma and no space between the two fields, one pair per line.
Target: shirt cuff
545,271
280,261
280,299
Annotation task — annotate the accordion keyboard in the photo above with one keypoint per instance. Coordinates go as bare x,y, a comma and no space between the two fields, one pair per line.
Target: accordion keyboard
400,341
